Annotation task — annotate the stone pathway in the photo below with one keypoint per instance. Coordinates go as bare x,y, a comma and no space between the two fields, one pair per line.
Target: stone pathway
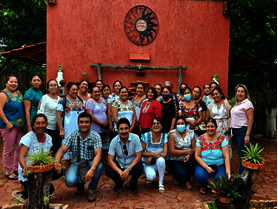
175,196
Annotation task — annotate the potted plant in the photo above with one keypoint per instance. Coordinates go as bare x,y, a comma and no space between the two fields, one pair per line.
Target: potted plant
253,159
42,162
224,189
84,75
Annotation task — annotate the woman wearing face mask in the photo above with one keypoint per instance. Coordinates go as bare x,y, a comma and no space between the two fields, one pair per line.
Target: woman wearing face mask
182,147
82,92
168,114
209,99
191,110
123,108
111,99
137,102
154,145
158,88
150,108
32,98
48,107
182,88
68,110
206,90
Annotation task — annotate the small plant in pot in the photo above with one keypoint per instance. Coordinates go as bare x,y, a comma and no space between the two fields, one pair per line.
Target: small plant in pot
42,162
252,158
224,189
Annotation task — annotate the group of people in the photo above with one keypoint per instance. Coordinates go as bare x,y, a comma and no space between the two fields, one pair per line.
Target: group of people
158,131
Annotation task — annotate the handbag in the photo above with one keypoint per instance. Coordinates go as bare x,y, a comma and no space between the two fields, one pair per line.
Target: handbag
82,167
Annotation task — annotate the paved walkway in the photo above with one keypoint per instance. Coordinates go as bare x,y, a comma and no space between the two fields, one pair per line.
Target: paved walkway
175,196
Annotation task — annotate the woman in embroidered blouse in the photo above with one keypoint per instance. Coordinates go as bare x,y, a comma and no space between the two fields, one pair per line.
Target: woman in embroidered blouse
100,85
111,99
154,145
212,155
182,147
31,143
150,108
83,91
137,102
242,120
48,107
219,110
191,110
158,88
123,108
73,107
32,98
209,99
12,120
97,107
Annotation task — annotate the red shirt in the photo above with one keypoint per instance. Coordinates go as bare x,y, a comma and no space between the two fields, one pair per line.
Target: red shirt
148,112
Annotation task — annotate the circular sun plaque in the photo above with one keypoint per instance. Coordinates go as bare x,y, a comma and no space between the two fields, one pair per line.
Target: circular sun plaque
141,25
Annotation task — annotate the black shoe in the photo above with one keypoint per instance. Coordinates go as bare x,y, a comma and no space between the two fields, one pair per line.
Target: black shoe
118,187
16,173
80,189
133,188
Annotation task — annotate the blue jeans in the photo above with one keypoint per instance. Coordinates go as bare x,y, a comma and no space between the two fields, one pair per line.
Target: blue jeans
181,170
71,178
136,172
202,176
239,134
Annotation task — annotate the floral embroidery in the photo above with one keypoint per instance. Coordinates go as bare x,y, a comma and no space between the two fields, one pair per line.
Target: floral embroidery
139,104
209,145
78,106
190,112
18,98
18,122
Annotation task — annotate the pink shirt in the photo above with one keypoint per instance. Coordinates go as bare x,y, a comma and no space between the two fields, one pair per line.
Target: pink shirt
238,114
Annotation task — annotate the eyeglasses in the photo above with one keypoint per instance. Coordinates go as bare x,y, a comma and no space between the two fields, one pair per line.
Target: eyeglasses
156,123
125,150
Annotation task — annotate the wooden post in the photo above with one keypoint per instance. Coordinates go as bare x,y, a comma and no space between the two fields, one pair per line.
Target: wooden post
180,78
38,188
99,71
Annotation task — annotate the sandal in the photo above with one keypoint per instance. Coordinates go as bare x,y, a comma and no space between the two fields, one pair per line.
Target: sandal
188,185
175,181
203,190
8,176
161,188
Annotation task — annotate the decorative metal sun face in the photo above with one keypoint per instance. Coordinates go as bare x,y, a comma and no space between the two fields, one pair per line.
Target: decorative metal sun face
141,25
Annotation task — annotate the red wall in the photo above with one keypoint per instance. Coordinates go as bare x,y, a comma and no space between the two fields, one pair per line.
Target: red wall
191,33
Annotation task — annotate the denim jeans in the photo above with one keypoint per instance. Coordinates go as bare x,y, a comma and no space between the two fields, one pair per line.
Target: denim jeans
181,170
71,178
136,172
239,134
202,176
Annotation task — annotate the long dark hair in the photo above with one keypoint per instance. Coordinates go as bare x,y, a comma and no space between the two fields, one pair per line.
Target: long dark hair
219,91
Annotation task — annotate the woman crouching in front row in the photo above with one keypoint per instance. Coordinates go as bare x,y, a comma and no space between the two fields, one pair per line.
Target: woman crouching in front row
212,155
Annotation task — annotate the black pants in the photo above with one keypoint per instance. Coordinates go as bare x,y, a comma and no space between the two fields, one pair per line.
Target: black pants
136,172
56,140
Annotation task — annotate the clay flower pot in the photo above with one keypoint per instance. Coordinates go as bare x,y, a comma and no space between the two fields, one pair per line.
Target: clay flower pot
224,200
40,169
252,165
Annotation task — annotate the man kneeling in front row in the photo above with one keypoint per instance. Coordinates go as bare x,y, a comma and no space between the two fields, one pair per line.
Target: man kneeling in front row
128,151
89,144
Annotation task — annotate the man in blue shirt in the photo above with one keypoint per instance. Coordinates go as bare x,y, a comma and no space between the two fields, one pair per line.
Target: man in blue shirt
124,157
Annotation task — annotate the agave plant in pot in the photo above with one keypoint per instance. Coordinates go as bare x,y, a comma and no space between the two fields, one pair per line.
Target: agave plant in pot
42,162
252,158
224,189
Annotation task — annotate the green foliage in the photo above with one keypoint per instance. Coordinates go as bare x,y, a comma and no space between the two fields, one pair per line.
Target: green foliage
211,205
46,199
252,154
26,173
40,159
253,33
224,187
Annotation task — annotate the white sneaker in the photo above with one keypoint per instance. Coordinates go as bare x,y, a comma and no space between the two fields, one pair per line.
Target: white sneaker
17,195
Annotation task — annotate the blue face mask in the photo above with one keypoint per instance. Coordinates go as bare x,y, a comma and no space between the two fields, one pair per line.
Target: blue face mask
166,96
187,97
180,128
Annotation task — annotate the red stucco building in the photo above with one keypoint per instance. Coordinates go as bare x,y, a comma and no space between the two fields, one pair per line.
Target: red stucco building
194,34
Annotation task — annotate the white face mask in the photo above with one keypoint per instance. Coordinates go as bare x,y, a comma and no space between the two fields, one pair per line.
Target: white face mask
187,97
